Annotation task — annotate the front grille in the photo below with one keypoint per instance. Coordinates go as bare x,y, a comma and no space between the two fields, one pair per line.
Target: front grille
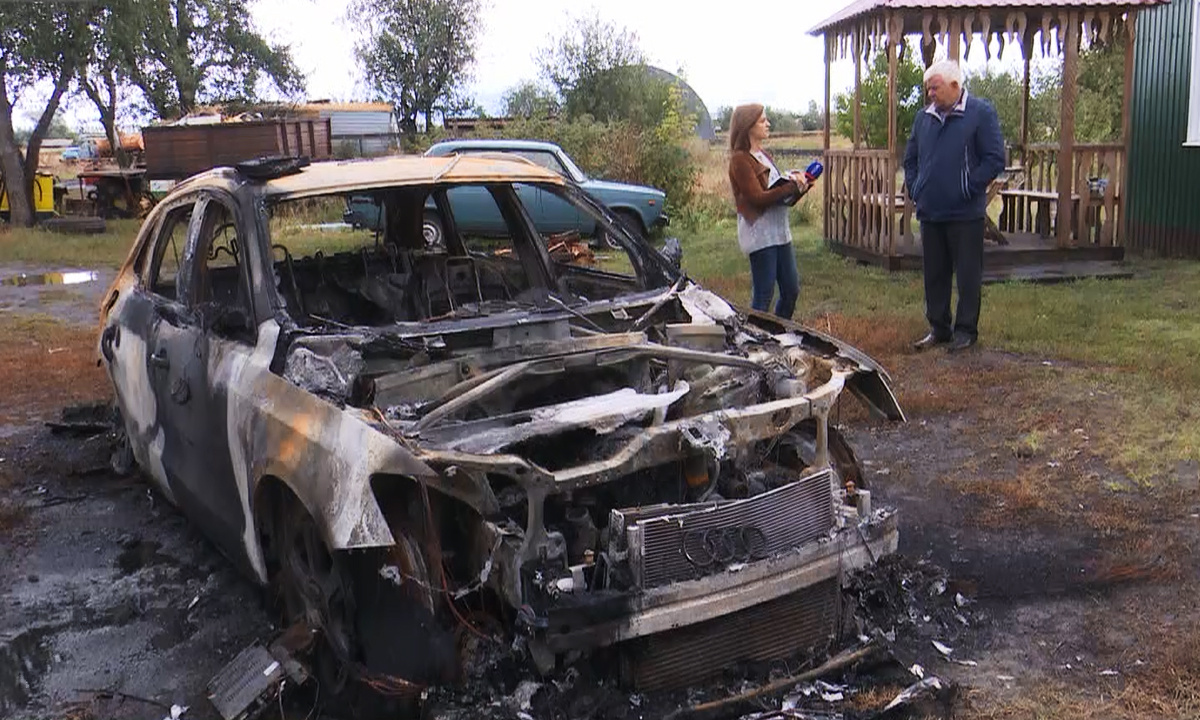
803,623
786,517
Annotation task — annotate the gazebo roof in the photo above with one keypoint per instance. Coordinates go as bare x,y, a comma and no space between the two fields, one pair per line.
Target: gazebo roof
861,9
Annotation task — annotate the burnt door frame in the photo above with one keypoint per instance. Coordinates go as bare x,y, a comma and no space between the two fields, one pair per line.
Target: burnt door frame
193,415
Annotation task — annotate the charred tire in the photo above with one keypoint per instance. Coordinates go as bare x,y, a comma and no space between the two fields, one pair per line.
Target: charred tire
432,231
398,615
309,583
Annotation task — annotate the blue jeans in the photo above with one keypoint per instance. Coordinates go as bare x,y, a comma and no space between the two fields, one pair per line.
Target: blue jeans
771,265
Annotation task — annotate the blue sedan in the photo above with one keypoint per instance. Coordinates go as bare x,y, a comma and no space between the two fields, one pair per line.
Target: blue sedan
640,208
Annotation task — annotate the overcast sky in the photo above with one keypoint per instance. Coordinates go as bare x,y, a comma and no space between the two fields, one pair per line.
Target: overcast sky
766,56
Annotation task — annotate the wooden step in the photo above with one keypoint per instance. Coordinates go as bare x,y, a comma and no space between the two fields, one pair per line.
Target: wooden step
1052,272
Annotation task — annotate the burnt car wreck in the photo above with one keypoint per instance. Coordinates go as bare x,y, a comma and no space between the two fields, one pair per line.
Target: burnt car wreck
416,447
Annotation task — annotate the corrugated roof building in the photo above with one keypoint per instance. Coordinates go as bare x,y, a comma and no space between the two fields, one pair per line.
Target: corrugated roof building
1163,213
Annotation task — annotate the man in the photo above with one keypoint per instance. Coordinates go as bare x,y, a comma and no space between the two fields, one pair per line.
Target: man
953,154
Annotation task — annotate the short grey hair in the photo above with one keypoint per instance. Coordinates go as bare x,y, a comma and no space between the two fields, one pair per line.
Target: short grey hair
948,69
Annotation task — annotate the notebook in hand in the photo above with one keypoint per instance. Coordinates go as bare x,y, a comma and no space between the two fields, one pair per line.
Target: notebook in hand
791,198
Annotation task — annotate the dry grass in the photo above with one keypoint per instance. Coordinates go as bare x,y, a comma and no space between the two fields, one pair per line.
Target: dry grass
1165,685
45,364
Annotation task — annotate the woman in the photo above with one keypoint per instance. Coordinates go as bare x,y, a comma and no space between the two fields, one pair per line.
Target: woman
763,230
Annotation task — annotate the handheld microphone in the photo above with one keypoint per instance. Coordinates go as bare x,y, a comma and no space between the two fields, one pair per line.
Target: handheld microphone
813,171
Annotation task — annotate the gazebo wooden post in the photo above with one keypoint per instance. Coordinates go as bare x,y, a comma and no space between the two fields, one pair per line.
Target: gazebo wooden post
825,202
1126,115
895,27
1027,57
1066,141
955,49
856,185
857,51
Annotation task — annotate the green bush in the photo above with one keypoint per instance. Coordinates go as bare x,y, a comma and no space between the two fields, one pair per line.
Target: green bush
621,150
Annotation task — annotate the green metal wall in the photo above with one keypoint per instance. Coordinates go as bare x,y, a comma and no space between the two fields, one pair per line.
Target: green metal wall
1163,197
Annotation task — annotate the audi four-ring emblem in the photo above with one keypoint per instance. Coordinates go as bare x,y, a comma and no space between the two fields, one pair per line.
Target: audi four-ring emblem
709,547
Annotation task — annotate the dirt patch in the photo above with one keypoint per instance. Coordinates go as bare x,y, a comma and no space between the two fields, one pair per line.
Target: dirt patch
44,365
109,590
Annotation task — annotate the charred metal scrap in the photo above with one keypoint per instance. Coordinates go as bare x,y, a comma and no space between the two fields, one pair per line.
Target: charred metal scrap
609,485
413,448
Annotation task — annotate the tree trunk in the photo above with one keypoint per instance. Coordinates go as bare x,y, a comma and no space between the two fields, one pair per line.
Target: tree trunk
108,113
34,150
12,164
186,77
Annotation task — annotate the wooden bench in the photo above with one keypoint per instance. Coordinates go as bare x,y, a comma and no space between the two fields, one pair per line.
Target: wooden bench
1015,215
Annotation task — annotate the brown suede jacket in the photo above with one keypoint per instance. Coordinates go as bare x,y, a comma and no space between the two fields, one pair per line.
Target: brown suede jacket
748,178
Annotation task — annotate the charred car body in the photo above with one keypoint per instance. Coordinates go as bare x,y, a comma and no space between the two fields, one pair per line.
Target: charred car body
415,448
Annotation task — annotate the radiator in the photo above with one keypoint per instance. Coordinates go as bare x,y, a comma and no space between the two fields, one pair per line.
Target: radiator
669,544
800,625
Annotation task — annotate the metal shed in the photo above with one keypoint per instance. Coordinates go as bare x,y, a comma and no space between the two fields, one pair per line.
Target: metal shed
1164,164
369,127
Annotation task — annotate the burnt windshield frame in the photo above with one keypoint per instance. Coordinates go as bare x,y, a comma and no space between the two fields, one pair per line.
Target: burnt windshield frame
653,270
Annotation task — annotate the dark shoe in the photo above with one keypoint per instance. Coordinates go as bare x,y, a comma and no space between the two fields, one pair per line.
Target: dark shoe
929,341
960,342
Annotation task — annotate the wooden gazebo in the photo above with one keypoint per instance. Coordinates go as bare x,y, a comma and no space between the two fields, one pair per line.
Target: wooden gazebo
1048,216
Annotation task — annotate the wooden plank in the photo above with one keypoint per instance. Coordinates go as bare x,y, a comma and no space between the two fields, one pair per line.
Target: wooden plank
1066,126
1034,194
1027,57
1126,117
857,50
1108,231
826,201
893,47
956,36
1084,160
828,87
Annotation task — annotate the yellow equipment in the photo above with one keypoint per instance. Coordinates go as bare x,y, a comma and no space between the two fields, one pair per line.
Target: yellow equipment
43,196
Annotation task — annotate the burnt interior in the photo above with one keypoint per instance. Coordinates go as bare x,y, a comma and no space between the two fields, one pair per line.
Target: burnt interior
391,274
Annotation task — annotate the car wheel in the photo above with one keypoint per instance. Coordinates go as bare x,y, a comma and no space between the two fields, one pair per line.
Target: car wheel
313,585
431,230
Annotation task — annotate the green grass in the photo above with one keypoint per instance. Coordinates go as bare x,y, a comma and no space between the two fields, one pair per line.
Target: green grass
38,247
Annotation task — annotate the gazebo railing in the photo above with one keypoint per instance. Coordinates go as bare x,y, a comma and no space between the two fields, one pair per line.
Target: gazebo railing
867,209
1096,183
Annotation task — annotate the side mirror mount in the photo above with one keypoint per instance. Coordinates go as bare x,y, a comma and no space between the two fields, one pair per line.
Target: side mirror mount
672,251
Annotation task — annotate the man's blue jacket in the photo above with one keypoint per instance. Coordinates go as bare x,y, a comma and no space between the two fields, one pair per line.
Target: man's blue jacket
950,162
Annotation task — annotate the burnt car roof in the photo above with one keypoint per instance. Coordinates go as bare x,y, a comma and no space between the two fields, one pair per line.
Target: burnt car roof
348,175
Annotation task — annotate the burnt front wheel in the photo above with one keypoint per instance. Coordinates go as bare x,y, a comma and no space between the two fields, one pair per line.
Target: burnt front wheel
310,583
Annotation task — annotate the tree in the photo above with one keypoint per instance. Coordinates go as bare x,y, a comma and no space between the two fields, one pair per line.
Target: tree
1098,111
1003,90
813,118
181,52
417,54
103,80
39,43
599,70
722,117
875,100
529,99
782,121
